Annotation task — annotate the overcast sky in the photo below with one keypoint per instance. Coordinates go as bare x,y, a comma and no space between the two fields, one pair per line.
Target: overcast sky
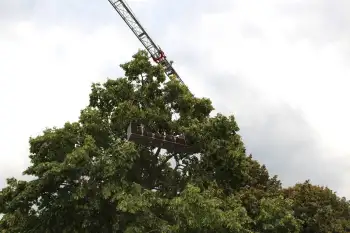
280,66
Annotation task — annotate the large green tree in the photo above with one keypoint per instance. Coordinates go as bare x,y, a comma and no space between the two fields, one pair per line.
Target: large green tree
89,178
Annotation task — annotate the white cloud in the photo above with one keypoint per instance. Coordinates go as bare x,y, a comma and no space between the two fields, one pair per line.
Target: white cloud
258,46
45,80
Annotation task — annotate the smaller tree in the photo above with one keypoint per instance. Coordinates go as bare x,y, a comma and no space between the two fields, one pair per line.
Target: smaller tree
319,208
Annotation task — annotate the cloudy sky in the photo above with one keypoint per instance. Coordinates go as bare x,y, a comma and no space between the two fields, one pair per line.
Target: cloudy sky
281,67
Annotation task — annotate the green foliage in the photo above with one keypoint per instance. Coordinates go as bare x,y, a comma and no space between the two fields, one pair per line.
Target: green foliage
276,215
89,178
320,209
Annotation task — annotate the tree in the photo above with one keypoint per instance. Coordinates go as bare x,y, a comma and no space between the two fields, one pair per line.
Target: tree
319,208
89,178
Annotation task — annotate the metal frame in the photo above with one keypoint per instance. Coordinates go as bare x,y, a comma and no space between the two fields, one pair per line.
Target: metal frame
156,53
134,132
173,144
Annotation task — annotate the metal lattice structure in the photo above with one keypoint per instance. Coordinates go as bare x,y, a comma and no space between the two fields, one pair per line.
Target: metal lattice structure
172,143
155,51
137,132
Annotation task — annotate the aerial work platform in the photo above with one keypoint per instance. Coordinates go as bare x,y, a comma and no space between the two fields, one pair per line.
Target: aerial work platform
138,133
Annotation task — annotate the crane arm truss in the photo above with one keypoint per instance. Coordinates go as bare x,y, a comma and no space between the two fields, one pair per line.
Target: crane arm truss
156,53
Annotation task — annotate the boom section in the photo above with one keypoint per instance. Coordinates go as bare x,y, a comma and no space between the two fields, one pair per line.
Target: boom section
156,53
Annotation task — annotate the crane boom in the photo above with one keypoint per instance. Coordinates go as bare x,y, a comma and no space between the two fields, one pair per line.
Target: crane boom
136,132
156,53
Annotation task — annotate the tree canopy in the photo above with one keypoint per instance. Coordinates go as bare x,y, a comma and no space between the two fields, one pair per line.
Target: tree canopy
89,178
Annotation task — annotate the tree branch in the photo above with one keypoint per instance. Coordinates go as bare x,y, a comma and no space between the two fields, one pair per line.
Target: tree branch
158,151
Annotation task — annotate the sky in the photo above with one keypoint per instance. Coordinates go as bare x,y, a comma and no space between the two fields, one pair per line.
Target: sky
281,67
